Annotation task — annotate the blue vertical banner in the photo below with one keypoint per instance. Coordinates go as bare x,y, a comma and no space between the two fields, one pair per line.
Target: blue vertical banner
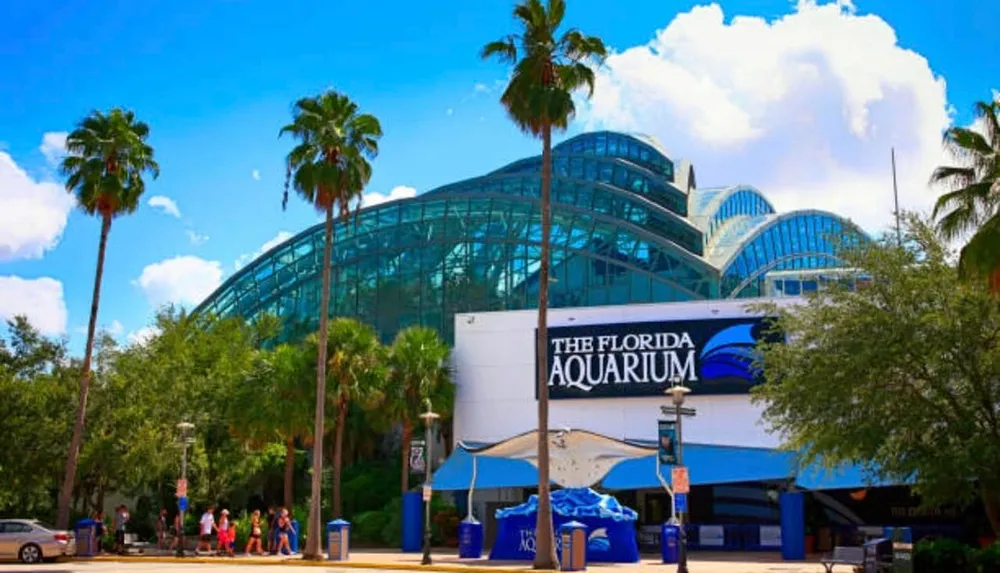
667,442
793,526
681,502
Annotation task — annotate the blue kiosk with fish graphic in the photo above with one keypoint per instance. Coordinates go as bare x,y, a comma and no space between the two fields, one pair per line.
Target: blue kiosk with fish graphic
611,536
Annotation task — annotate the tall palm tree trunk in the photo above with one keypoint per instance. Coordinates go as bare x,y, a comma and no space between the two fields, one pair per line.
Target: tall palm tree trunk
289,472
545,549
995,281
313,542
338,455
66,491
404,478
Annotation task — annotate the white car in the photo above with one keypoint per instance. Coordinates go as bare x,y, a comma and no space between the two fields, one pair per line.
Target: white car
31,541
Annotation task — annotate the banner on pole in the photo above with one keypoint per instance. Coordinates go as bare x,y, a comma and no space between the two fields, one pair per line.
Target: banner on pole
418,451
679,480
667,442
182,488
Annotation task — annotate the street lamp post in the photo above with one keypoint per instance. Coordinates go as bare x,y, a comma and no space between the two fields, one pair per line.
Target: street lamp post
429,417
186,440
677,392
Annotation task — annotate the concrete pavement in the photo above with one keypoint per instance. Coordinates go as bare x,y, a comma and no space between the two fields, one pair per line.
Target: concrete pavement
394,561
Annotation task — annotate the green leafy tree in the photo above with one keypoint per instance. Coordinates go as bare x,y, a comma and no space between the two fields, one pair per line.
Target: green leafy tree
901,376
419,371
108,158
276,404
329,168
355,366
972,204
548,67
36,382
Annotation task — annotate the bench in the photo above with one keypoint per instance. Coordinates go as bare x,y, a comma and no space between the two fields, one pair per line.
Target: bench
853,556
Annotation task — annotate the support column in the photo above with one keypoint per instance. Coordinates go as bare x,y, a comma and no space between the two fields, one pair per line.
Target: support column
793,526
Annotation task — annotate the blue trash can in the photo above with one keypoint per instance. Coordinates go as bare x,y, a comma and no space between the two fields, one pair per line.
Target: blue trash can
85,534
338,540
470,539
413,522
573,546
293,537
669,542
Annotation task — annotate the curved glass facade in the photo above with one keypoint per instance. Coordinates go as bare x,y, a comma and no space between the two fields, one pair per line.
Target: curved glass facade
620,235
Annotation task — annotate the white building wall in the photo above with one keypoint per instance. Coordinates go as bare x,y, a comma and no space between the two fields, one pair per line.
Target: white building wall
494,360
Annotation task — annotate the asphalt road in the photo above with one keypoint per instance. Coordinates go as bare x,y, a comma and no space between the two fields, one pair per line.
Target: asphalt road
109,567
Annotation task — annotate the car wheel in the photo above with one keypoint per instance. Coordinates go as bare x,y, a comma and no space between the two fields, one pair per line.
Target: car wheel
30,553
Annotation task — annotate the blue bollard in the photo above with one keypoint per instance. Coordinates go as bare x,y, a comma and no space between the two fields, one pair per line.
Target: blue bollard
293,537
669,543
413,526
338,540
470,539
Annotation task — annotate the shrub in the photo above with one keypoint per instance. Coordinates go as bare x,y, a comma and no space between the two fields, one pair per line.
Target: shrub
944,556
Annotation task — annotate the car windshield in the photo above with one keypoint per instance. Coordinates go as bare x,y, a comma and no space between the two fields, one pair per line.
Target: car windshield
43,525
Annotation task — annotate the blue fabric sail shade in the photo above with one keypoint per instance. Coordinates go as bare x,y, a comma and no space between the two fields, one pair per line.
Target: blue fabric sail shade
456,472
817,476
707,465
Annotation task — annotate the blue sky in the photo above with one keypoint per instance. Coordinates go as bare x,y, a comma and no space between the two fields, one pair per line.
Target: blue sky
803,103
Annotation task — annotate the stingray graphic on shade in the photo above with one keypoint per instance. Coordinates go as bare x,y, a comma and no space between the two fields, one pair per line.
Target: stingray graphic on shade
577,458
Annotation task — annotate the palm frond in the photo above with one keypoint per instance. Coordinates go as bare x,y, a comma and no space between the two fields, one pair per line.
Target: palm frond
505,50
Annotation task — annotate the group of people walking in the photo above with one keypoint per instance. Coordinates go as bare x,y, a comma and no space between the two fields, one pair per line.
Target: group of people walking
279,522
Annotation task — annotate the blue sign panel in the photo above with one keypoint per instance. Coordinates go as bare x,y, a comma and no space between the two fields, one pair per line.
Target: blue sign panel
681,502
182,503
667,442
712,356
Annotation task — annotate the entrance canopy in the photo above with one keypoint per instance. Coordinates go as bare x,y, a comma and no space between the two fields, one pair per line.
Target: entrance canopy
582,459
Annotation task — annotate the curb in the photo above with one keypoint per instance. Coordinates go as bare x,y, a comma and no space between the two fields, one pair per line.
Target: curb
385,566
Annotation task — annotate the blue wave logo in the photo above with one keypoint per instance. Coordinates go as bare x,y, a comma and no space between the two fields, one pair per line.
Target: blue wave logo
730,355
598,540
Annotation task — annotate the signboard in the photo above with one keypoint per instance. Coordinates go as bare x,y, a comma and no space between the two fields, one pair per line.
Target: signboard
710,356
667,442
681,502
427,493
182,503
679,480
182,488
711,536
770,536
418,449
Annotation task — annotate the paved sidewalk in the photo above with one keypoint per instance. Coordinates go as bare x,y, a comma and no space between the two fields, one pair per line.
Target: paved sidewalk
447,561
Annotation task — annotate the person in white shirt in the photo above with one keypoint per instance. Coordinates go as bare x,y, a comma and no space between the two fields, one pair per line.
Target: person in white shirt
207,528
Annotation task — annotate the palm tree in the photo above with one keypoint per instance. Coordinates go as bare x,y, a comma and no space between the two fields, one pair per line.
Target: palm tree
972,204
418,362
329,168
355,365
548,68
107,157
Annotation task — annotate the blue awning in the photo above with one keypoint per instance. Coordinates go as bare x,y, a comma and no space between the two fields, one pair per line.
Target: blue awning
456,472
847,476
707,465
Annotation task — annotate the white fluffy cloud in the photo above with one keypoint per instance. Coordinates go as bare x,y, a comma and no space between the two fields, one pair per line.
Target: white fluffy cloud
806,107
165,204
40,300
143,335
33,215
184,280
53,146
271,243
398,192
